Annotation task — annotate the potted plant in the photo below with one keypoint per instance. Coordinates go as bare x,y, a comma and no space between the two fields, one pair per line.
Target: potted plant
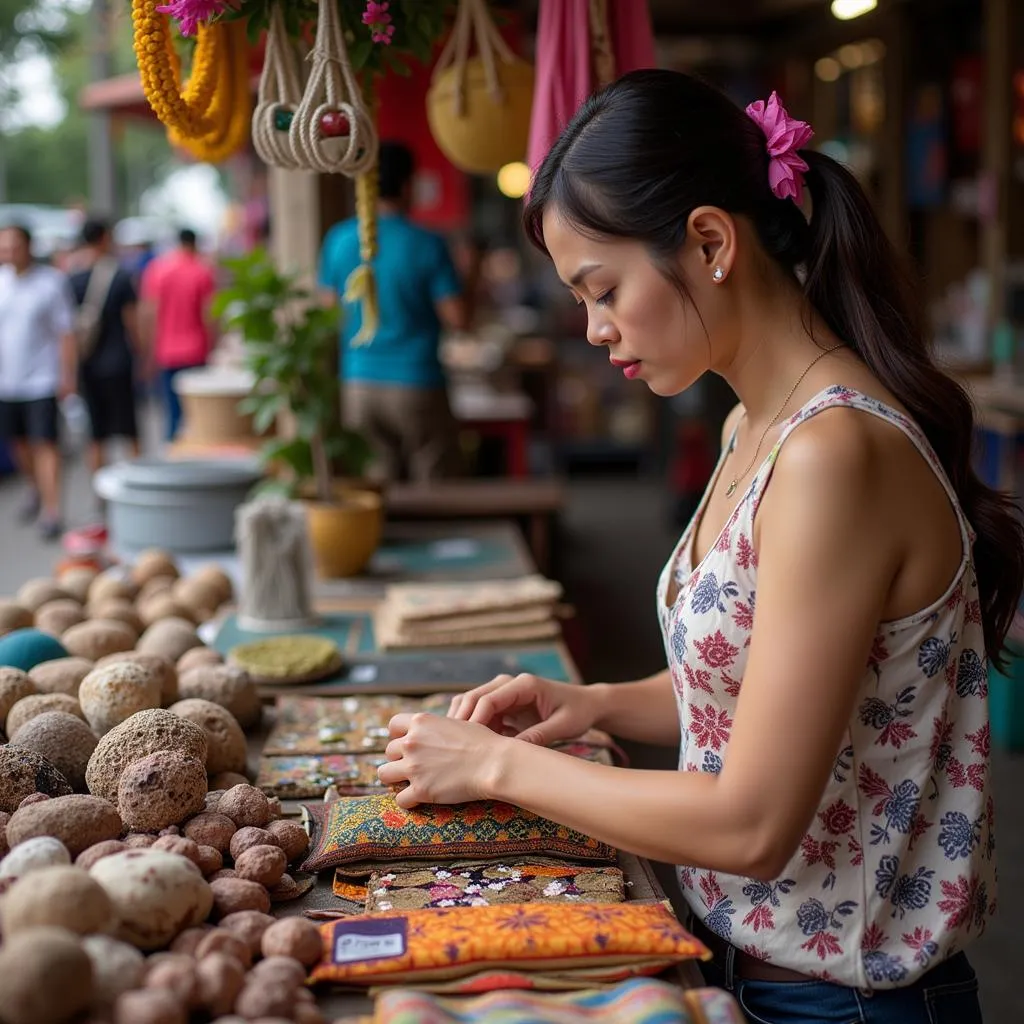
290,344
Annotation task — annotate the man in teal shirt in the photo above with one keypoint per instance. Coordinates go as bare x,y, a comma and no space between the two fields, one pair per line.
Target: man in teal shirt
394,388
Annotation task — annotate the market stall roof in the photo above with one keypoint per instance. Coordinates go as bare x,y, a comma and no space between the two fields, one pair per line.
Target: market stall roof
123,95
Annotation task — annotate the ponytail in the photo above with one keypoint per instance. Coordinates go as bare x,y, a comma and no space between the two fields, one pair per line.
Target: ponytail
855,282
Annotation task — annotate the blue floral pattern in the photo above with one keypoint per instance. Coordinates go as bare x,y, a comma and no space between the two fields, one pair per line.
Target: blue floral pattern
897,870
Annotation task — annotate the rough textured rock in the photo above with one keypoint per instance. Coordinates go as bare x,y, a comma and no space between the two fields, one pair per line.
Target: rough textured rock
226,685
57,617
142,734
112,694
15,685
97,638
161,789
63,675
62,897
31,963
39,703
23,772
78,821
170,638
226,747
64,740
162,668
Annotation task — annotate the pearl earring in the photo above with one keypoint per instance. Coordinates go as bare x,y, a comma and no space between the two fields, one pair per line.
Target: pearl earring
718,275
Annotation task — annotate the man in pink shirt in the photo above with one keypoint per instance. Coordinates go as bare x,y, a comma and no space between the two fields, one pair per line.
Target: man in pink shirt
176,292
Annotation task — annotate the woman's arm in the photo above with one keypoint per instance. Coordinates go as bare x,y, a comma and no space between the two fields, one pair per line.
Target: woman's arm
644,711
827,557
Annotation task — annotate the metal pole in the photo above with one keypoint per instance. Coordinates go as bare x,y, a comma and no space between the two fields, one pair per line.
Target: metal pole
102,176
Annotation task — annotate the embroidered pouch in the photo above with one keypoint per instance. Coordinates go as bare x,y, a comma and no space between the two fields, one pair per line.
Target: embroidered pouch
416,945
482,885
638,1001
366,828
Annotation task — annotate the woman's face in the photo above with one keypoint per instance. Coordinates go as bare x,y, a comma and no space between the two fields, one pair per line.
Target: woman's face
650,331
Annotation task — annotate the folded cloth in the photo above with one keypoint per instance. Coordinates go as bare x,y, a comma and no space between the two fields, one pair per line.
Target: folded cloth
609,941
637,1001
412,602
393,633
488,884
367,827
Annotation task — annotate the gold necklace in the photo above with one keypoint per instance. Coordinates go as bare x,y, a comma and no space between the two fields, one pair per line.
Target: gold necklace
731,489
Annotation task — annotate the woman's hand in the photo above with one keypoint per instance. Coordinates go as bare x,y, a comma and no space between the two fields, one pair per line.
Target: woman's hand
442,760
536,710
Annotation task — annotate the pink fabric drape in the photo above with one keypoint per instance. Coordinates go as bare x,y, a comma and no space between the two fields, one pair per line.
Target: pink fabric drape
564,77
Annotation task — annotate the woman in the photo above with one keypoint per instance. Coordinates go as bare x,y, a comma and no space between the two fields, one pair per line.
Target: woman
828,613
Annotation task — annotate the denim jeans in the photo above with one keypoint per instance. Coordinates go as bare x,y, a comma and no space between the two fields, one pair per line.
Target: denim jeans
947,994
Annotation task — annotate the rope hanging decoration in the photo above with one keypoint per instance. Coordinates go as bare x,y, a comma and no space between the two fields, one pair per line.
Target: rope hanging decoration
280,93
473,15
480,97
332,100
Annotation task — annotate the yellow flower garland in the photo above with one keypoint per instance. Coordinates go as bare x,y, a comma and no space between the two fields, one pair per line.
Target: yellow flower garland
160,70
230,112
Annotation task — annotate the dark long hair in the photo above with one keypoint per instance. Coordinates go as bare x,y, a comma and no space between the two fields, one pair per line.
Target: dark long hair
640,155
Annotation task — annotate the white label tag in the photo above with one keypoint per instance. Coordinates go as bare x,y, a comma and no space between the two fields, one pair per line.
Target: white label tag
356,946
362,674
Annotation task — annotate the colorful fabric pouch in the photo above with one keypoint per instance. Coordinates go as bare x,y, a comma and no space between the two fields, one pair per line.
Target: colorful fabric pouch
367,828
483,885
607,941
638,1001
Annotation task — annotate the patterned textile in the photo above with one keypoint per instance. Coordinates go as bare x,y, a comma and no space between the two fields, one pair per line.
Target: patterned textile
482,885
638,1001
897,871
368,827
614,940
346,725
298,778
305,776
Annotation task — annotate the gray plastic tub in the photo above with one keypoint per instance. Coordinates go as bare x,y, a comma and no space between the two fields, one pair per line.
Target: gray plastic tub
181,506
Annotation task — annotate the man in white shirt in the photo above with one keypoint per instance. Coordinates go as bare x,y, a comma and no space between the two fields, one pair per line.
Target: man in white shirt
38,366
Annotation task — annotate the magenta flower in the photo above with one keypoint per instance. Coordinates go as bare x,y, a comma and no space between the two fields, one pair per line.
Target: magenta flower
377,19
785,135
190,13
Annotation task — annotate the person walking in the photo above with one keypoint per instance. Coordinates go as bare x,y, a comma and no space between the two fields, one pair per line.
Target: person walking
108,343
38,367
176,323
394,387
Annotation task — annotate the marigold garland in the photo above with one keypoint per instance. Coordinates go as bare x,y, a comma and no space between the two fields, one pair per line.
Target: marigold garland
160,71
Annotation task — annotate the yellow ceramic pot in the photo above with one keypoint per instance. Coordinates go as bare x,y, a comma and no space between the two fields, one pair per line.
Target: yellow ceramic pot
487,135
344,533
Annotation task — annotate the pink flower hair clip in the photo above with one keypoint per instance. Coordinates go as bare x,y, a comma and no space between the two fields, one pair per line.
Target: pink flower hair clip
785,135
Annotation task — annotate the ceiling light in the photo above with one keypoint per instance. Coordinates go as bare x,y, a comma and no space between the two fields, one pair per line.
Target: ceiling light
847,10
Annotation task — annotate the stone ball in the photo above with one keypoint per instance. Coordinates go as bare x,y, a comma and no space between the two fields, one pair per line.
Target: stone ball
111,695
165,606
197,657
57,617
117,610
231,895
144,733
98,851
150,1006
291,837
38,704
211,829
64,897
245,805
26,648
116,967
163,668
33,855
293,937
14,686
156,895
33,594
153,563
226,746
97,638
182,846
262,864
14,616
249,926
78,821
62,675
76,581
23,772
64,740
45,977
228,780
249,836
200,595
161,789
226,685
170,638
111,585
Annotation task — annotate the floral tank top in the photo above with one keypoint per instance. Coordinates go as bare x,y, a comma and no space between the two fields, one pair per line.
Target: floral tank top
897,871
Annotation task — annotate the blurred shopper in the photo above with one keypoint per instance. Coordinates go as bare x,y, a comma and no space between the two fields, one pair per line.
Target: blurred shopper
38,366
394,388
176,324
108,345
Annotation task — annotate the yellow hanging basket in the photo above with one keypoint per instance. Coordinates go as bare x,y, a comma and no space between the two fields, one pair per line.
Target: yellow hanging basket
486,133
